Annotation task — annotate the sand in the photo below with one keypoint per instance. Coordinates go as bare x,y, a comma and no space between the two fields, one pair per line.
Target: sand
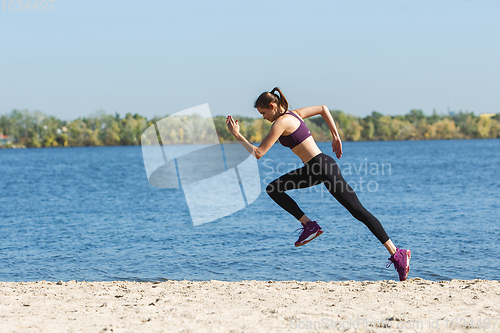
415,305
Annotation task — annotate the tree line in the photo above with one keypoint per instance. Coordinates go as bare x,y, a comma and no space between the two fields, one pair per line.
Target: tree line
35,129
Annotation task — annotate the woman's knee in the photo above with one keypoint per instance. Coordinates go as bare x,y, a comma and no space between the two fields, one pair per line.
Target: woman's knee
272,188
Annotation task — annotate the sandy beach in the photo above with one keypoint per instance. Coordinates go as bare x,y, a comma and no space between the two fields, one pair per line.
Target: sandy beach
415,305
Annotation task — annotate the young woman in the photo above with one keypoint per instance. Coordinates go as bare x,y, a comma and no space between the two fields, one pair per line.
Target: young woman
289,128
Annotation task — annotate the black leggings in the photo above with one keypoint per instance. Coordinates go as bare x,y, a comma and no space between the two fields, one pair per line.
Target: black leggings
323,169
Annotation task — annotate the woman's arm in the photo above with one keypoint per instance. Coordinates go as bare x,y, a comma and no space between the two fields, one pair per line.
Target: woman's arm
336,143
274,133
325,113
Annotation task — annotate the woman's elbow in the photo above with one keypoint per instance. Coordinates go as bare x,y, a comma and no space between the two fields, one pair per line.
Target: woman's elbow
258,153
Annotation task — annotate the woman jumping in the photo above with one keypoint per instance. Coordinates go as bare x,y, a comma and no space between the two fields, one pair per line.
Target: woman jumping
291,131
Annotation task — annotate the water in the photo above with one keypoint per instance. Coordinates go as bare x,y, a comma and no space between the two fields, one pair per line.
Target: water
90,214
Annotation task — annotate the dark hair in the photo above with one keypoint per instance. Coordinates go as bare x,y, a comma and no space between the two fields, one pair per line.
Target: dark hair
267,97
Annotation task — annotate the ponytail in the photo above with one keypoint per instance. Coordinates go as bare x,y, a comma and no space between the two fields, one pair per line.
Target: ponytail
267,97
281,99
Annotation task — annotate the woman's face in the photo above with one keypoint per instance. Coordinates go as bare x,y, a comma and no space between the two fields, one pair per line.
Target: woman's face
269,114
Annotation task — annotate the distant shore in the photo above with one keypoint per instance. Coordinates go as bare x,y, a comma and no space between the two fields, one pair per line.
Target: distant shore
13,147
415,305
24,147
35,129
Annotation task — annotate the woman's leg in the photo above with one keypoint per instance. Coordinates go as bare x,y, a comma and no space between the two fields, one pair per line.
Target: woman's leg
340,189
296,179
324,169
389,245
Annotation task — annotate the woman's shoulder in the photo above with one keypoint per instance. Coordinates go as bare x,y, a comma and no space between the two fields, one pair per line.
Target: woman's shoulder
289,113
287,116
296,113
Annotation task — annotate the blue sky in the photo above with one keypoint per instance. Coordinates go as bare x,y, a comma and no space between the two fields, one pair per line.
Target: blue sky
160,57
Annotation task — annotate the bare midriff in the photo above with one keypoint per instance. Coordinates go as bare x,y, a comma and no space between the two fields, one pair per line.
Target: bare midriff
307,149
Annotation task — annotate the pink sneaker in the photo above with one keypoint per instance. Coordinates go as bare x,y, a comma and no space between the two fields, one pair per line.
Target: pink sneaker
310,231
401,261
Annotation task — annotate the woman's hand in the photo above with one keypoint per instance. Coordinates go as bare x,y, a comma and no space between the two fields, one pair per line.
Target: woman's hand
337,147
232,125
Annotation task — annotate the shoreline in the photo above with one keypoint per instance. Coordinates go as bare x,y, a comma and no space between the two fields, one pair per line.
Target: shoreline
233,141
250,306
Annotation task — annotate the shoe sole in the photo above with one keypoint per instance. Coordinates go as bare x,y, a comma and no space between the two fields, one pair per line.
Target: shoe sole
408,253
304,243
